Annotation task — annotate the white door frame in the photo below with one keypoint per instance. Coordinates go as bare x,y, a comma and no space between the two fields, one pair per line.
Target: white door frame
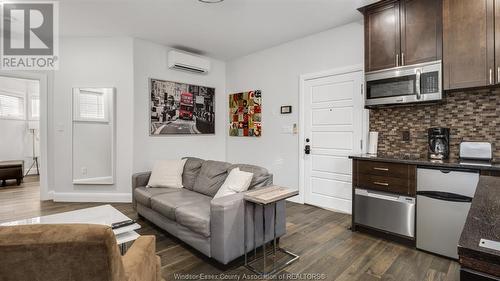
44,89
310,76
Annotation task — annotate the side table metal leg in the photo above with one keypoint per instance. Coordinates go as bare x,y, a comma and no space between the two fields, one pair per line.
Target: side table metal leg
274,239
254,231
264,238
245,230
274,231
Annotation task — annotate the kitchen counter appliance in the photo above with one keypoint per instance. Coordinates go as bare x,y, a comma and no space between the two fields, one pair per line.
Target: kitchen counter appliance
475,151
443,201
405,84
439,143
385,211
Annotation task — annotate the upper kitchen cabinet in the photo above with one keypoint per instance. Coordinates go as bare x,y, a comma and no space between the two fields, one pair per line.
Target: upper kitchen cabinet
382,36
421,31
469,43
402,32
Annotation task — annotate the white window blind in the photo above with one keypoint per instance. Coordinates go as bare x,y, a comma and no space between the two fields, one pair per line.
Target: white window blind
91,106
11,106
35,107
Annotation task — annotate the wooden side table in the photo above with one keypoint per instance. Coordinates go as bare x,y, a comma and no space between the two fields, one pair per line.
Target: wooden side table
263,197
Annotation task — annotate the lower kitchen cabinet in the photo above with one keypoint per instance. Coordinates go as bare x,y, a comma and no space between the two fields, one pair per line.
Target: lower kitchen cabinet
472,275
384,199
386,177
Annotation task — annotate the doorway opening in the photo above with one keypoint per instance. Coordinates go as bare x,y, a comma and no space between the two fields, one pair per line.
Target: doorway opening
20,157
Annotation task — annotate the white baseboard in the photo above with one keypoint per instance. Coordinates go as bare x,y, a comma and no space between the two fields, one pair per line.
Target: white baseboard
50,195
295,199
92,197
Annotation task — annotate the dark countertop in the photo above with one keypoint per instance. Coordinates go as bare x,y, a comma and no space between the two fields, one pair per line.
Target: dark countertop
483,221
451,163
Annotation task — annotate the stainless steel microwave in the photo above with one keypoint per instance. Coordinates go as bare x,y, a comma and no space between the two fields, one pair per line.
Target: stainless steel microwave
405,84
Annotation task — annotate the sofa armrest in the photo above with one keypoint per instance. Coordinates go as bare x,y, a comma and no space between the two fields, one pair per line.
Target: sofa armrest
140,261
227,226
139,179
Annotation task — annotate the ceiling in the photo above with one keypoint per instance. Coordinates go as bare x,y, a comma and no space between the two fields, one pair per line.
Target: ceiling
224,31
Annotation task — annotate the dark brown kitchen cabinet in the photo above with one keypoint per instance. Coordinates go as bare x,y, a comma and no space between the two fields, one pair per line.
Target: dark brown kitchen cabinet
469,43
497,41
382,37
402,32
383,176
421,31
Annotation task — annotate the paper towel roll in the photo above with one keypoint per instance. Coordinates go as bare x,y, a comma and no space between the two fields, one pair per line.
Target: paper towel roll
372,143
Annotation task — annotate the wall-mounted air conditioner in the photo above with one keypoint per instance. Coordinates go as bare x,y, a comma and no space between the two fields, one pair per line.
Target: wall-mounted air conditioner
188,62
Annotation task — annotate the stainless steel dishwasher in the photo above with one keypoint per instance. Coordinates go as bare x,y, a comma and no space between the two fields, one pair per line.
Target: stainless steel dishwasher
443,202
385,211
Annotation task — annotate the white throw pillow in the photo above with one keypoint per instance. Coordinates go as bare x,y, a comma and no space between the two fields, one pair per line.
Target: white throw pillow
167,173
237,181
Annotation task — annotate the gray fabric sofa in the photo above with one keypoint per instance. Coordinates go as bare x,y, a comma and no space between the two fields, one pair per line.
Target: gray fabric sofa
212,226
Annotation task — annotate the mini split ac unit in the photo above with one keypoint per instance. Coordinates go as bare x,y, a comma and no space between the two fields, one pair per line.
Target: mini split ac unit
188,62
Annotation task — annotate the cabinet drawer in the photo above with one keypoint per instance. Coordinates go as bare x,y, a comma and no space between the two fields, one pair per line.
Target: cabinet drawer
383,169
400,185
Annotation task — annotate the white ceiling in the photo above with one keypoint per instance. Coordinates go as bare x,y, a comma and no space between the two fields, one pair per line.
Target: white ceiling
226,30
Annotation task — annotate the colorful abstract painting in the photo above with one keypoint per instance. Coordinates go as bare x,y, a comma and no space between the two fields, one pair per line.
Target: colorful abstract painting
245,114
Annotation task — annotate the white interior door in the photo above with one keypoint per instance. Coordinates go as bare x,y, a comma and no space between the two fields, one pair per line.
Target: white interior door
333,124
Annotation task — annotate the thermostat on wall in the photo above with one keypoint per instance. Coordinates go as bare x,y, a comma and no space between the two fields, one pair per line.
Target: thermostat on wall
286,109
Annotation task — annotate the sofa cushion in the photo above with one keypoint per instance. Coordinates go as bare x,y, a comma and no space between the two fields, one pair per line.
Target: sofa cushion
167,173
237,181
144,194
195,216
211,177
191,170
167,203
261,176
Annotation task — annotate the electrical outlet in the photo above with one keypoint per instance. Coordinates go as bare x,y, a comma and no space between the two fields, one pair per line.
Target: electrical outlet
84,171
406,135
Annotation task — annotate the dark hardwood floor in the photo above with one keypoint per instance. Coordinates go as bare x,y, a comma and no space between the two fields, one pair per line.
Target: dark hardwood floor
320,237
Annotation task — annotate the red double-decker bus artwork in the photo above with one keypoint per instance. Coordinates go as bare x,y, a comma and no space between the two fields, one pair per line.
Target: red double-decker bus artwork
186,106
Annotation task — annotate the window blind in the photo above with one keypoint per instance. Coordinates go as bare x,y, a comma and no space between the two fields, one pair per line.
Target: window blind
35,107
11,106
91,105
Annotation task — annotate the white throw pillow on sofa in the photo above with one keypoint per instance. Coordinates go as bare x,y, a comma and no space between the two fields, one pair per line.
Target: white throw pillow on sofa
237,181
167,173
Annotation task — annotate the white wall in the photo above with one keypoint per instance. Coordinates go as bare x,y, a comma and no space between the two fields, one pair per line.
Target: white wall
92,62
276,72
127,64
150,61
16,142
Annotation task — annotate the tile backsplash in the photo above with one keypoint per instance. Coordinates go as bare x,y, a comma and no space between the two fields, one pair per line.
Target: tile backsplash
470,115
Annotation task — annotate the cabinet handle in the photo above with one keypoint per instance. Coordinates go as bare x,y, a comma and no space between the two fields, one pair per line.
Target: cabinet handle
498,74
397,59
381,183
381,169
491,76
402,58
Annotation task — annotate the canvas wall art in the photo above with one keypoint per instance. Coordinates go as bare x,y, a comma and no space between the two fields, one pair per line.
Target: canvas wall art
245,114
180,108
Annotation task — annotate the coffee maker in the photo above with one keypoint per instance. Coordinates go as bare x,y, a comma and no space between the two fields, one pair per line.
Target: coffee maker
439,143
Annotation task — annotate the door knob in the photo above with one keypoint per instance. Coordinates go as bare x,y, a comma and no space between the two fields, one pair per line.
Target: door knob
307,149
